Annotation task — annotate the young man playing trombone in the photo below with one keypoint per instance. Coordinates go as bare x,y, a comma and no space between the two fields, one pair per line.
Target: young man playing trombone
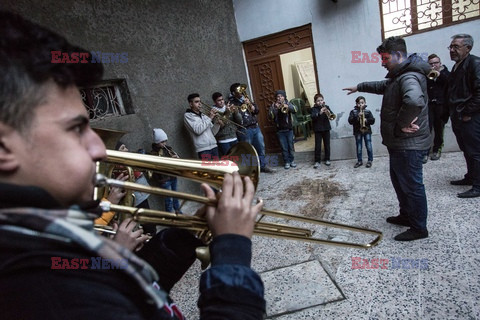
47,167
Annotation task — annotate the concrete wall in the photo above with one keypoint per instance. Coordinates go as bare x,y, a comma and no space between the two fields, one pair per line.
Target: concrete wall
338,29
174,48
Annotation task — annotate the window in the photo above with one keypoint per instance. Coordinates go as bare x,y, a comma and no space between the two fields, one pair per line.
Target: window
107,99
406,17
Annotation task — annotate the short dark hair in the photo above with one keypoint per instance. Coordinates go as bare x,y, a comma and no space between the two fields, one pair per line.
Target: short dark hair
27,70
432,56
318,95
192,96
216,95
360,98
234,86
393,45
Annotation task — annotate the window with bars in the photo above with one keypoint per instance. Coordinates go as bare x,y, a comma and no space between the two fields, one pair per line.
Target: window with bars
107,99
406,17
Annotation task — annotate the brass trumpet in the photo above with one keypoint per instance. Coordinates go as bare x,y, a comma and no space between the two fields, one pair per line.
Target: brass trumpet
222,117
330,115
433,74
363,121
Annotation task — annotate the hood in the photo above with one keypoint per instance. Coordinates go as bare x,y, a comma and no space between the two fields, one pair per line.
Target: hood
414,63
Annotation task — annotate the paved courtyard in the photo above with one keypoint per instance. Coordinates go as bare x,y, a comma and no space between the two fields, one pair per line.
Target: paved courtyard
433,278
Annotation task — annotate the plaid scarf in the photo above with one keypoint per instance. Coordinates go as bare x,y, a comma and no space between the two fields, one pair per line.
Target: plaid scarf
77,226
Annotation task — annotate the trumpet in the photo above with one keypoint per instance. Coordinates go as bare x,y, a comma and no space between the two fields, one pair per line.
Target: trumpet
433,74
330,115
222,117
363,121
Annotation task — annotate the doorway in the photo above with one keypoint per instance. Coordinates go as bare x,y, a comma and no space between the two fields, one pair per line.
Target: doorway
281,61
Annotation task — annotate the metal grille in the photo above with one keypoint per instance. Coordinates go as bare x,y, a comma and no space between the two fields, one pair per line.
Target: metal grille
405,17
103,101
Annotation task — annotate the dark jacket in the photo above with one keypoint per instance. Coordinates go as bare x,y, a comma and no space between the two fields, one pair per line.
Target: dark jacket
404,98
320,122
436,88
32,288
248,118
354,119
229,129
463,89
283,121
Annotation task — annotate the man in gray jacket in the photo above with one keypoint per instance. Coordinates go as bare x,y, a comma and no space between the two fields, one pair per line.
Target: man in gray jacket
405,131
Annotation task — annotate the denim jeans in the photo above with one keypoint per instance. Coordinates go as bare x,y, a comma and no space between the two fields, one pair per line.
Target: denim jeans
286,143
209,154
255,137
171,204
223,147
367,137
406,174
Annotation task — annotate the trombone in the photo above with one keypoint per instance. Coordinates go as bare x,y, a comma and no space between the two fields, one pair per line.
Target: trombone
213,175
208,109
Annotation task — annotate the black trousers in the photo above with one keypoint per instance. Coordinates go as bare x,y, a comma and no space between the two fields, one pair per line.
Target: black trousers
435,122
468,139
319,137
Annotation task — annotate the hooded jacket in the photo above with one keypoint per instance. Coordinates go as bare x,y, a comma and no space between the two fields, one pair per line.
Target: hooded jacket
201,129
404,98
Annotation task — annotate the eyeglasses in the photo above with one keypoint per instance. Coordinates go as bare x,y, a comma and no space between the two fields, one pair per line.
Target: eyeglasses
454,47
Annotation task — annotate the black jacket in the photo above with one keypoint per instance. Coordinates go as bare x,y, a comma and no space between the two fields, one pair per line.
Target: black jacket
404,98
320,122
32,289
354,120
463,89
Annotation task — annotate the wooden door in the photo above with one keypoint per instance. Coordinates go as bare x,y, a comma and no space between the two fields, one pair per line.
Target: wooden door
265,71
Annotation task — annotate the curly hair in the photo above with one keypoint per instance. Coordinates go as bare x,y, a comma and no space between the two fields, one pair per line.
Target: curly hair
27,70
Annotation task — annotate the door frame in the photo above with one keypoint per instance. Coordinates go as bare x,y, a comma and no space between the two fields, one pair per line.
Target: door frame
264,69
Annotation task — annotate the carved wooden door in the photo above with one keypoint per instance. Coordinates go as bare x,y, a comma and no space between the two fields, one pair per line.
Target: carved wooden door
264,67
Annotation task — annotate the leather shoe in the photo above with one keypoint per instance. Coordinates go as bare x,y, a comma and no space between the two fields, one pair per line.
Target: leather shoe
399,220
358,164
267,170
411,234
472,193
461,182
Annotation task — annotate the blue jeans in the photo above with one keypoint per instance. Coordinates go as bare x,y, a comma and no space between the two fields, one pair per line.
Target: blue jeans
367,137
406,174
286,143
223,147
209,154
255,137
171,204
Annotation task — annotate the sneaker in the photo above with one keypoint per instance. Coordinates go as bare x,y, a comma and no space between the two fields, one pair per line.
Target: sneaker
369,164
425,159
399,220
267,170
436,156
327,162
462,182
287,166
316,165
411,234
293,164
358,164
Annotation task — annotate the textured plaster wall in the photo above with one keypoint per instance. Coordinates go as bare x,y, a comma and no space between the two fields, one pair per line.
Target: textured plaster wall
339,28
174,48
